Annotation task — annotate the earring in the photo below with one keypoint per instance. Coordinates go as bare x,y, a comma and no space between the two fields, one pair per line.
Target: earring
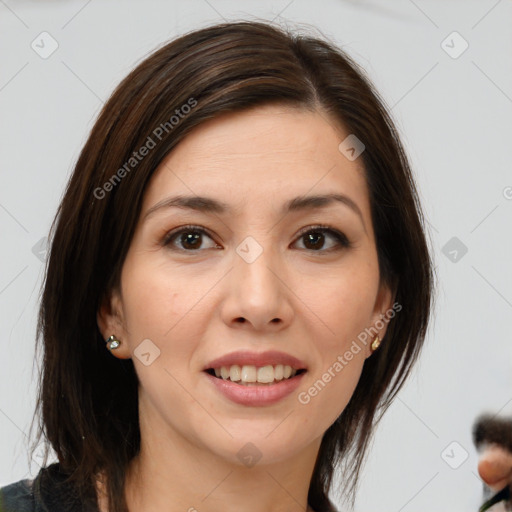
112,342
375,344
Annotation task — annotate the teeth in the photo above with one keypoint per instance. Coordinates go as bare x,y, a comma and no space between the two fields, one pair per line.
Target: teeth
249,374
235,373
265,374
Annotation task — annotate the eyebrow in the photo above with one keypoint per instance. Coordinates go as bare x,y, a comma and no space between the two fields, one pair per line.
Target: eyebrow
210,205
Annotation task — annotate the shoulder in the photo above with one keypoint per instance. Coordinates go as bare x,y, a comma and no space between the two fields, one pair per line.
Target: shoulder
18,497
48,491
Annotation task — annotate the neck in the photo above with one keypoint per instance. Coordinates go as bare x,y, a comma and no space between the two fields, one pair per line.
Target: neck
174,473
157,483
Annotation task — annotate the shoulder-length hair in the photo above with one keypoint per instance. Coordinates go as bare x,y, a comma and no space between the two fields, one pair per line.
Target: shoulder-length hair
87,399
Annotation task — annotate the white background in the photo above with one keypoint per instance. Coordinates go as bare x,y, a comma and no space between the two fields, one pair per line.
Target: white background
454,115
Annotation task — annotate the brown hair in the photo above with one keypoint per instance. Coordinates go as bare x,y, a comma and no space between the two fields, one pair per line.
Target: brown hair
87,398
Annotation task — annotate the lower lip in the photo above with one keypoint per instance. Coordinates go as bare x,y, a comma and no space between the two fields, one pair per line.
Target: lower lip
256,395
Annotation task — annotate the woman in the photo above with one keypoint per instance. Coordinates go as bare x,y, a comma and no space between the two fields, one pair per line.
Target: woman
240,233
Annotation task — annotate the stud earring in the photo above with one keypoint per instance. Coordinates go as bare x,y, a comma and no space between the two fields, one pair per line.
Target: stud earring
112,342
375,344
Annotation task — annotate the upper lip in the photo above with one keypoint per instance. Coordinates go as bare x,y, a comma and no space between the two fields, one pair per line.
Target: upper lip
244,357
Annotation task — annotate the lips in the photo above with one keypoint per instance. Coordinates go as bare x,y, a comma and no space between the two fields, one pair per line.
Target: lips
246,367
246,358
255,395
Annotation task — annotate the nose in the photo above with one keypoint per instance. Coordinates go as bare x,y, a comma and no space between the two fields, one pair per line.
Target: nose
257,293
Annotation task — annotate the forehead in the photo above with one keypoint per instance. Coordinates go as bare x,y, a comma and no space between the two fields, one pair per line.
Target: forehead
262,157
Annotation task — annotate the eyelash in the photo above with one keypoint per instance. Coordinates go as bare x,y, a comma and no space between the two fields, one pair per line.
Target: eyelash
342,240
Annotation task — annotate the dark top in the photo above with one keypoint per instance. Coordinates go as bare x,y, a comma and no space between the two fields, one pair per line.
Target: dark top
47,492
503,496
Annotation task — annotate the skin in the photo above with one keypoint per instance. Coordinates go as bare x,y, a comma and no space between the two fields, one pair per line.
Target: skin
188,304
495,467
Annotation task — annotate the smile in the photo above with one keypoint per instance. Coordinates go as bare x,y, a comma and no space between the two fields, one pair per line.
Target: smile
251,375
254,394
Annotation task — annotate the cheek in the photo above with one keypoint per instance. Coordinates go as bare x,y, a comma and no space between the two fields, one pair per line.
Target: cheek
154,309
154,298
344,305
328,393
343,302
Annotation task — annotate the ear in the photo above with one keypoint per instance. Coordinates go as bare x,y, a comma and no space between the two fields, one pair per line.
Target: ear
110,321
383,311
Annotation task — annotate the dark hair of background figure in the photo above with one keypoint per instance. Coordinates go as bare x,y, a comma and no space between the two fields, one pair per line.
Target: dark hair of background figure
87,399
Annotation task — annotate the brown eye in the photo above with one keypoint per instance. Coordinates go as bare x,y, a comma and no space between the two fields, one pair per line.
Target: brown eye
188,238
315,239
191,238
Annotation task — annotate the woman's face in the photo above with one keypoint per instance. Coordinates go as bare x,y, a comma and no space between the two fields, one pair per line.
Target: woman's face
255,276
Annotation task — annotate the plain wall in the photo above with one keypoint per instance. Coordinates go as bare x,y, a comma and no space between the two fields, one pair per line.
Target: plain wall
454,114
